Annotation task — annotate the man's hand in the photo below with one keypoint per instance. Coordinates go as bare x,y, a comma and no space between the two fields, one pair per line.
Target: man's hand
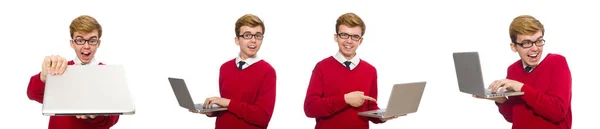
505,84
196,111
223,102
390,118
357,98
53,65
86,116
498,99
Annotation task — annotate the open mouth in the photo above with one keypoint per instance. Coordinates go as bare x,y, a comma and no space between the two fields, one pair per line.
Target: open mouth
252,47
347,46
532,55
86,54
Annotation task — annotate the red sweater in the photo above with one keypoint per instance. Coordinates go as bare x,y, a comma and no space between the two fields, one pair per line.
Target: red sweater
546,103
325,102
252,95
35,91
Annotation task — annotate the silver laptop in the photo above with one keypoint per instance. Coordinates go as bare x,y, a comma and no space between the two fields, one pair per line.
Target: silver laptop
404,99
185,100
470,78
88,90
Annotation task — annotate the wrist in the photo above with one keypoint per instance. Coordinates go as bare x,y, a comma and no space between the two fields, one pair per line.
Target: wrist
42,78
501,100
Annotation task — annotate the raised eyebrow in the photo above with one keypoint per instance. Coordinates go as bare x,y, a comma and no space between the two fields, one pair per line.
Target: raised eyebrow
526,40
93,37
540,38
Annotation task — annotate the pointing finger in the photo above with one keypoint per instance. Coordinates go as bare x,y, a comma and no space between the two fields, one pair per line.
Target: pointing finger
369,98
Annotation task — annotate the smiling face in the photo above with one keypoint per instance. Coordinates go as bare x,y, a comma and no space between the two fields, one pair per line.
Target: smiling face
527,40
348,40
350,29
249,31
529,48
249,41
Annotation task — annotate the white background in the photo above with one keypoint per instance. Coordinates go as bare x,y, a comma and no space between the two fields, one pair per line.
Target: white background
405,41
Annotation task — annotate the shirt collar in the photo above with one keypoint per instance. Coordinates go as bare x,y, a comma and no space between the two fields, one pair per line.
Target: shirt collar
248,61
78,62
340,58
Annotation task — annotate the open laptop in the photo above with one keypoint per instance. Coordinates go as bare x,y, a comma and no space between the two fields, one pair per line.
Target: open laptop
404,99
185,100
88,90
470,78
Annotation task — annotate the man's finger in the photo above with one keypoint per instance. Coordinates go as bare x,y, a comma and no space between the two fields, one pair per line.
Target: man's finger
502,88
59,63
83,117
211,103
63,67
494,84
206,102
93,116
46,63
57,66
78,117
369,98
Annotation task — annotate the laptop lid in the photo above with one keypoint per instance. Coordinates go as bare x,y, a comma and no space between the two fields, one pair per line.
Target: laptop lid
181,93
468,73
405,98
88,90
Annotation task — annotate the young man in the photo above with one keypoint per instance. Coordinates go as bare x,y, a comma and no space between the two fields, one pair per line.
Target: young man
545,80
247,83
343,85
85,40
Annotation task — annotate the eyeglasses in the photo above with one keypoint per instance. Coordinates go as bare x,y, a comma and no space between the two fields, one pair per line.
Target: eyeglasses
258,36
346,36
81,41
528,43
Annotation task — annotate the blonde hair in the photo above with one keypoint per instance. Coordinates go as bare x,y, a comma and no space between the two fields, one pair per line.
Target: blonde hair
249,20
85,24
524,25
350,20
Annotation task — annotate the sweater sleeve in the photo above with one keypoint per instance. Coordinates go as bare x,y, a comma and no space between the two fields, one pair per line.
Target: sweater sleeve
104,122
317,106
553,103
35,89
261,111
506,109
373,105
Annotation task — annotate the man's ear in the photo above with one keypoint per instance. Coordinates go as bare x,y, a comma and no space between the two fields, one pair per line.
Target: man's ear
98,45
237,41
513,47
72,44
360,41
335,37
